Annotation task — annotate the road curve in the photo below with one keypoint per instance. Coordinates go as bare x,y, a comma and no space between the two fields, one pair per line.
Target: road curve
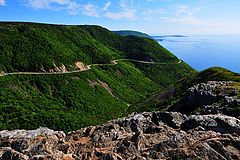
86,68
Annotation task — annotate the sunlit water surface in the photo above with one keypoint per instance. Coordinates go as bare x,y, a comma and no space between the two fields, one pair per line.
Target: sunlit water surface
206,51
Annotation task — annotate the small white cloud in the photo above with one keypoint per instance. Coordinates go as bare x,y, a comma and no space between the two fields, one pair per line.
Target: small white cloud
124,4
2,2
184,20
71,6
151,14
187,10
106,6
90,10
125,14
154,12
44,4
181,10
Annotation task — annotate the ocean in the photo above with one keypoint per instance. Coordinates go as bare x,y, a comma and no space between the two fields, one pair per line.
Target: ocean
204,51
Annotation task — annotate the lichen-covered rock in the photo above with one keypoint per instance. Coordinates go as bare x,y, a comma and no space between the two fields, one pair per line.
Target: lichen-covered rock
212,97
218,123
167,135
30,143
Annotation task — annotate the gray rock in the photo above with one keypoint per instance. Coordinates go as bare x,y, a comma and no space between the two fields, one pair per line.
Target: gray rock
148,135
219,123
212,97
172,119
19,145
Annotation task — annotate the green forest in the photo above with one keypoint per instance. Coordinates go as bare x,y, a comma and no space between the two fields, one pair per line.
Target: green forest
72,101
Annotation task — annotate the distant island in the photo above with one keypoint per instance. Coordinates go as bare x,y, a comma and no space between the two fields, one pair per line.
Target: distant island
132,33
165,36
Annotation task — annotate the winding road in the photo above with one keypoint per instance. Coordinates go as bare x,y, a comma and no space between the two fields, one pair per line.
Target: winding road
86,68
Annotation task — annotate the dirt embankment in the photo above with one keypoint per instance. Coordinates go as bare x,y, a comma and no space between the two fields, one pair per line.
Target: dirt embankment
94,83
80,66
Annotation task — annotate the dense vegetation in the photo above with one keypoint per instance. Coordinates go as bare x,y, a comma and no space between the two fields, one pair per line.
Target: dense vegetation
34,47
166,72
71,101
172,94
217,74
132,33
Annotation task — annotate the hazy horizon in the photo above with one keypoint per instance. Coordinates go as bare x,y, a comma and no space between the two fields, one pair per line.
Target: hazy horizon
202,52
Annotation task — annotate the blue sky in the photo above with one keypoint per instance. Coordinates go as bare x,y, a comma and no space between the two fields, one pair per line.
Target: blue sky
150,16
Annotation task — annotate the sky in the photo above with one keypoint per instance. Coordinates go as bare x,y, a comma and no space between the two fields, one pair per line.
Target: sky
150,16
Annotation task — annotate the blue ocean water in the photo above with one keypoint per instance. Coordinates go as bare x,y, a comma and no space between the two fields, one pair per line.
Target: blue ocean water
205,51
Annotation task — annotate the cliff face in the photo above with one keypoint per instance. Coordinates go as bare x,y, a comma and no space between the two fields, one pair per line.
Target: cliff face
168,135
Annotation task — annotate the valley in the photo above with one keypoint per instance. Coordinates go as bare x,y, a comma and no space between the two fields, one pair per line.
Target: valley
83,92
119,80
67,77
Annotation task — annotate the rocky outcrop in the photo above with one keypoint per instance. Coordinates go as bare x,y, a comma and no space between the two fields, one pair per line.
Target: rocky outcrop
167,135
212,97
56,68
218,123
22,144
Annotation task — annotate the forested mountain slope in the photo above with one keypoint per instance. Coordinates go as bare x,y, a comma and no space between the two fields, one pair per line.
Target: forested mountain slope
74,100
31,46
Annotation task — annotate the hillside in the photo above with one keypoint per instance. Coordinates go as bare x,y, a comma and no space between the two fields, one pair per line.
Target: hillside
132,33
203,124
53,45
69,101
78,78
216,73
191,94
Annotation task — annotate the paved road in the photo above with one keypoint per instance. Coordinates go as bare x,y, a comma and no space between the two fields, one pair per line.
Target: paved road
88,67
